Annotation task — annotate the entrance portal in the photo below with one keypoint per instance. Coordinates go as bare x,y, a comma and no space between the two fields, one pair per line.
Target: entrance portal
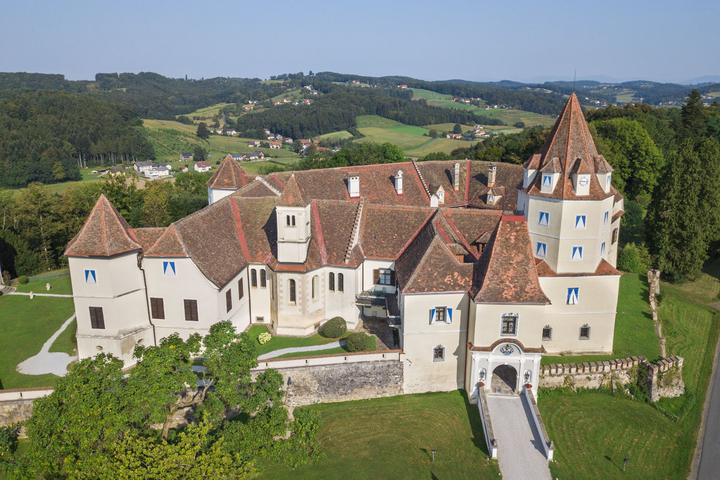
504,380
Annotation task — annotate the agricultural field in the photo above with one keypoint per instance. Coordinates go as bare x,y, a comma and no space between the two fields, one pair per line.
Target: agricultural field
398,137
445,145
394,438
448,127
207,112
368,121
335,135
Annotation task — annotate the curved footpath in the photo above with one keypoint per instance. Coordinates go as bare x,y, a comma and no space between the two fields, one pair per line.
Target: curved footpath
47,361
315,348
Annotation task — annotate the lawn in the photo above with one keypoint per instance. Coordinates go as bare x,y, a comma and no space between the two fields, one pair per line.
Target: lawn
26,326
336,135
445,145
511,117
369,121
404,140
66,341
58,285
590,427
634,330
277,342
393,438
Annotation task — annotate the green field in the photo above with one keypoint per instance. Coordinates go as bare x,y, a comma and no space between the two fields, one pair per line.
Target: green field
593,431
336,135
634,329
392,438
625,97
376,121
511,117
448,127
208,112
445,145
406,141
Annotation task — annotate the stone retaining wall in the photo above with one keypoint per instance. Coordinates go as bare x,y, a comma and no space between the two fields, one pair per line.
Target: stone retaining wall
16,405
663,378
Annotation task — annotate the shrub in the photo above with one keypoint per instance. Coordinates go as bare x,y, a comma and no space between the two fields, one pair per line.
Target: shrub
8,443
334,328
360,342
634,259
264,337
22,279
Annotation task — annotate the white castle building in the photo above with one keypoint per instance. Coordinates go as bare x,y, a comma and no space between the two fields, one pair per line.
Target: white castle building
481,268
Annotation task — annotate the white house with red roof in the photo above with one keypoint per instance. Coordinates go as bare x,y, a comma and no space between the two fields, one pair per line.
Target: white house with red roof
480,268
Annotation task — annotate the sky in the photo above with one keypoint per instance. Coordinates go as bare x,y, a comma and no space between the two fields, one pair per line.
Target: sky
659,40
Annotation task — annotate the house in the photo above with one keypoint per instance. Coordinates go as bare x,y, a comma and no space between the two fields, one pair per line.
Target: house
143,167
236,156
253,144
116,170
186,156
202,167
288,140
275,144
402,86
481,268
305,101
229,131
256,155
183,169
304,143
248,107
456,136
313,92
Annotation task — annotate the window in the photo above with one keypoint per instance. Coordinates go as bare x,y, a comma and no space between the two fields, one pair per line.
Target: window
331,282
585,332
259,319
602,249
314,287
573,296
606,218
577,253
228,300
607,181
615,236
439,354
97,319
287,220
263,278
509,325
491,198
253,278
191,310
169,269
547,181
291,287
383,276
441,315
541,250
580,222
90,277
544,219
341,282
290,220
547,333
241,289
157,308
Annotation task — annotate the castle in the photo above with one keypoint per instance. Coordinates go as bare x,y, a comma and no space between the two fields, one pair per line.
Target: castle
482,268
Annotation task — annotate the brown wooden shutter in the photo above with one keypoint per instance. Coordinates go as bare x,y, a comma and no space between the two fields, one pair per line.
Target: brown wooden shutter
376,276
392,277
97,319
228,300
241,291
157,307
191,313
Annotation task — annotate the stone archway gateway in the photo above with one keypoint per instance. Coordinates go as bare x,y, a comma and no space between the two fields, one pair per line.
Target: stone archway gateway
504,380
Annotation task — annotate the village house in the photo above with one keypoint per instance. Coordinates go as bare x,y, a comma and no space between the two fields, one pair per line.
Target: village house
183,169
186,156
456,136
480,268
237,156
202,167
275,144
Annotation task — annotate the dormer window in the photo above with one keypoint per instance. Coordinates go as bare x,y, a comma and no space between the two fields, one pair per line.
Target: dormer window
169,269
491,198
607,181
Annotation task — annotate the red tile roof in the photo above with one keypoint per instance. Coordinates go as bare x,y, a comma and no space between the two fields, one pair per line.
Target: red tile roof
292,196
383,236
229,175
603,269
105,233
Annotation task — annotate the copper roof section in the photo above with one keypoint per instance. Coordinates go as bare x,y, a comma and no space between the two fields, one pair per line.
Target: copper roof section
229,175
105,233
292,195
506,272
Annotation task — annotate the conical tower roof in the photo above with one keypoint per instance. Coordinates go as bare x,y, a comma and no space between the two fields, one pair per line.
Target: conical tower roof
105,233
229,175
292,195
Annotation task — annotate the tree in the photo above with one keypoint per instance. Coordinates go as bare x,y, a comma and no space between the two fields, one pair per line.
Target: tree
692,117
199,154
202,131
433,133
457,128
155,205
520,124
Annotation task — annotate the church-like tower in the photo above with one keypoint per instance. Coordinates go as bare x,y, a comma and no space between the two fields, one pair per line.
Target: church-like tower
572,210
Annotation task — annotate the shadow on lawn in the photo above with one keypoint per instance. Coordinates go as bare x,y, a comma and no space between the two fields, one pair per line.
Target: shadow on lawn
475,424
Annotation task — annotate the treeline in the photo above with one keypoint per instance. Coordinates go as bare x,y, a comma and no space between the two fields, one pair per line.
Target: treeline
337,109
46,136
36,224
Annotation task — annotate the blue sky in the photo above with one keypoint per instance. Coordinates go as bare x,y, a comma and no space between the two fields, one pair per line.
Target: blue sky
475,40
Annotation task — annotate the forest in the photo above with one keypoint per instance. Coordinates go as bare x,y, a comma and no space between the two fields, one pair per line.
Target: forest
47,136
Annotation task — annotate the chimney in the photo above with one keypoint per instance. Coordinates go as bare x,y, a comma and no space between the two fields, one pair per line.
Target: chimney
354,185
492,171
456,177
398,182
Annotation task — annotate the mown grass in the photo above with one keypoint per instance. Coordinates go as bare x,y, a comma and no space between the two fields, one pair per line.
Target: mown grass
26,325
59,285
393,438
594,431
445,145
511,117
448,127
336,135
66,341
375,121
634,329
208,112
277,342
406,141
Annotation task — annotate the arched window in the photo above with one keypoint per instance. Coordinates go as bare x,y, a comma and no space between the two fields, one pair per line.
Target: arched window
293,220
287,219
291,285
263,279
341,282
253,278
331,282
314,287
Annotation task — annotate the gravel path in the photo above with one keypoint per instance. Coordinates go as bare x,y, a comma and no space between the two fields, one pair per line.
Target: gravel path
47,361
520,453
315,348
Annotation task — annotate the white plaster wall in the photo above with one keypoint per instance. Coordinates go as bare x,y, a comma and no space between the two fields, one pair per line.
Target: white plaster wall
341,304
305,315
217,194
260,298
293,241
419,338
368,267
488,323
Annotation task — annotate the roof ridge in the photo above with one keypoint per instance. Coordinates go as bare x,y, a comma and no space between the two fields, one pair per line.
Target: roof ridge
265,182
355,232
422,180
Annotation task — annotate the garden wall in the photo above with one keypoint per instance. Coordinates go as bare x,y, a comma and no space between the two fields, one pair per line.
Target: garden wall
16,405
662,378
339,378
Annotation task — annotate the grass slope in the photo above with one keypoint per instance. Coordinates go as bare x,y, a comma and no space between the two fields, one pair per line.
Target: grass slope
368,121
634,330
26,325
59,286
393,437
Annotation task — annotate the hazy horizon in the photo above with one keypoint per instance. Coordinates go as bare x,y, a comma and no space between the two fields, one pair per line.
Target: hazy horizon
476,41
